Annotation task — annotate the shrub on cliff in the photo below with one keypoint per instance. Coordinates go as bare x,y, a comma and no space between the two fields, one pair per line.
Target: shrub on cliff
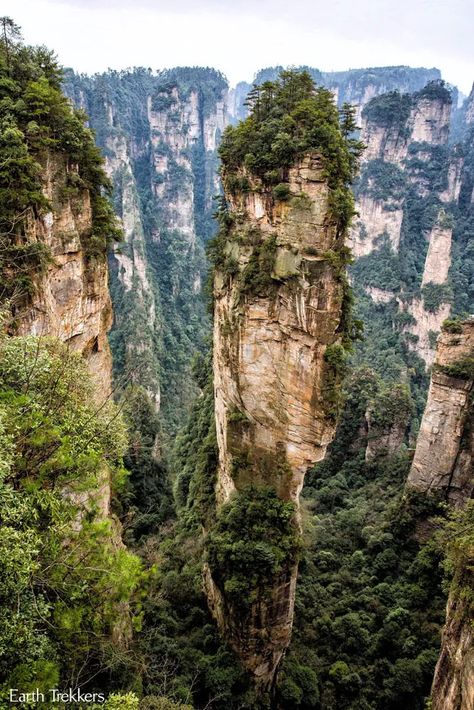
391,109
37,120
288,118
254,539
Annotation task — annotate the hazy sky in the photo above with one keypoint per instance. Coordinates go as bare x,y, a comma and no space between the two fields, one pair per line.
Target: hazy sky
241,36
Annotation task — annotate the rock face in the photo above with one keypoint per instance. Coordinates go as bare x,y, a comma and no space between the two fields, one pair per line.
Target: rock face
272,382
453,683
407,171
354,86
159,134
443,466
71,299
384,440
443,462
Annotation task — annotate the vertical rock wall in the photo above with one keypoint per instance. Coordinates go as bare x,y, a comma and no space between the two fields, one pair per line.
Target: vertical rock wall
443,466
272,384
443,462
159,133
407,172
70,300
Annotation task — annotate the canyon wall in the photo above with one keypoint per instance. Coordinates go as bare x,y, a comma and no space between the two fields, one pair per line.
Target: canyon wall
408,184
443,463
69,298
443,467
277,316
159,134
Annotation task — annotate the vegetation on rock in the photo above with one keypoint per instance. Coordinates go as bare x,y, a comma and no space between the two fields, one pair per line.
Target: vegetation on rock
36,123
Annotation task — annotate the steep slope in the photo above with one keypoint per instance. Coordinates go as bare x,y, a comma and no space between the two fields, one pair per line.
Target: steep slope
412,237
281,314
159,134
443,467
443,458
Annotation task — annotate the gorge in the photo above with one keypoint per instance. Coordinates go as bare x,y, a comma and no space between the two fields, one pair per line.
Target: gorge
278,520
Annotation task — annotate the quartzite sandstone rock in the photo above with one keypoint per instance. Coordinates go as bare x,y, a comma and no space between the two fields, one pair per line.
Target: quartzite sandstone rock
270,377
443,462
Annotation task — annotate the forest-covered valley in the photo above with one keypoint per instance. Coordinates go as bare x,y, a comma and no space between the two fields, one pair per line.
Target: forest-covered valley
236,375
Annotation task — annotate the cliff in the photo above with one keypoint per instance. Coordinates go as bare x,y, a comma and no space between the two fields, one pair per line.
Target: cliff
159,133
269,348
443,458
409,184
280,304
443,467
354,86
270,376
69,298
453,683
68,578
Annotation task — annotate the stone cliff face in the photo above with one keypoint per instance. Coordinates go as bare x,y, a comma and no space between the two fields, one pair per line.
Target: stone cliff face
407,172
443,467
443,463
159,133
70,299
272,382
354,86
453,684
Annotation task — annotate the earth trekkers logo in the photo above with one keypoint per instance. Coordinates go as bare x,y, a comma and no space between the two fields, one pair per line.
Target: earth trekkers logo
54,695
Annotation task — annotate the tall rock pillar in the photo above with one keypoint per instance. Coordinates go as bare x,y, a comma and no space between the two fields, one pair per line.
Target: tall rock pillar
278,291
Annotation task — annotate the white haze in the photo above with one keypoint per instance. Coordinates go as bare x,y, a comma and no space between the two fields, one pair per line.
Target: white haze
243,36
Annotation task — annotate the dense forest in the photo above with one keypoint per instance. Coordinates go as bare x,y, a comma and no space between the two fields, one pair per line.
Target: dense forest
110,493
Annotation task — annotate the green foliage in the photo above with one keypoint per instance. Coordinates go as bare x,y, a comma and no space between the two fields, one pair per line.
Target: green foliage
462,368
253,540
117,701
391,109
335,369
36,122
434,295
281,191
161,703
435,90
382,181
288,118
257,276
208,83
390,405
195,456
386,110
147,498
452,325
457,539
63,575
369,603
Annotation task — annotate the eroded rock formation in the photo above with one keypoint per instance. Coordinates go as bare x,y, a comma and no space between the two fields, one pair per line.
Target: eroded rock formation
453,683
443,462
407,138
443,467
159,134
70,298
277,311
